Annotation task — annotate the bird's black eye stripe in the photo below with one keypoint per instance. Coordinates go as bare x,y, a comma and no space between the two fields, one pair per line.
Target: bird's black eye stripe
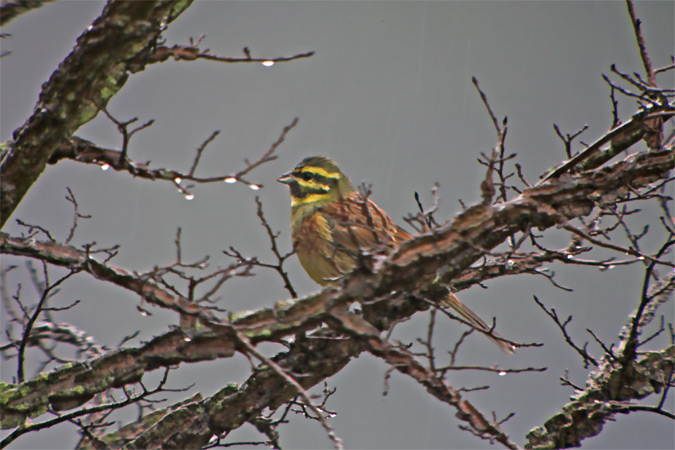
307,176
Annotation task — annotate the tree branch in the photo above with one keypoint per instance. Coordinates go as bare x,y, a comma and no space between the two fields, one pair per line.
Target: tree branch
412,268
123,33
606,392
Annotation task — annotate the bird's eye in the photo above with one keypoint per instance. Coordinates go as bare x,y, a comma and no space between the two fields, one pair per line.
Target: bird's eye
306,176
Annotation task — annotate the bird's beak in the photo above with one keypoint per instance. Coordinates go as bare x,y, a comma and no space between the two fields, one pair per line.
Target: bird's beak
285,178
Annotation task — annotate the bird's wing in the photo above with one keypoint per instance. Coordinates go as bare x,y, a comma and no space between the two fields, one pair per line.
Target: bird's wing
357,224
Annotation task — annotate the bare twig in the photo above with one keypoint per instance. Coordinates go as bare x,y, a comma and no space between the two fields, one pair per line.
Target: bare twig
424,220
33,318
495,369
275,249
630,344
562,325
192,53
200,150
32,228
76,215
483,97
268,156
87,152
628,251
122,127
249,348
568,138
620,137
641,43
664,69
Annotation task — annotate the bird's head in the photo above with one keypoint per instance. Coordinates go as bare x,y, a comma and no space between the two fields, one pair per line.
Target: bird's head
316,181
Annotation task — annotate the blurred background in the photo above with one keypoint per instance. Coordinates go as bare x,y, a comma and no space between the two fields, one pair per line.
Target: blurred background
388,95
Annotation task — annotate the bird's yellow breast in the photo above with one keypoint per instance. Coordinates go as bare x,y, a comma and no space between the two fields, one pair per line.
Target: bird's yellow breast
313,243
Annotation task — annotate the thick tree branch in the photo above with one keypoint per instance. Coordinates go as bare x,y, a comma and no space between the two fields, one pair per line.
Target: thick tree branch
613,142
448,250
10,10
73,385
480,228
85,81
608,392
404,362
192,426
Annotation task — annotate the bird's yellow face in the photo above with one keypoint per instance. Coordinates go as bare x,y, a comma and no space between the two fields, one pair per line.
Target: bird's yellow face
315,182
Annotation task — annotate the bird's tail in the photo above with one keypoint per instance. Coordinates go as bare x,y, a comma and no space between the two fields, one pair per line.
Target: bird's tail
463,311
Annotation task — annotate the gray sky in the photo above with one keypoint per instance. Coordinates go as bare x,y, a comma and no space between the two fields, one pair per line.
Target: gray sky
388,95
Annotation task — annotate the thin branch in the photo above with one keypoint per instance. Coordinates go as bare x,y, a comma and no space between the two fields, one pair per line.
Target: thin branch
664,69
562,326
32,228
268,156
631,341
617,248
483,97
123,128
641,43
275,249
249,348
200,150
31,321
621,137
192,53
87,152
494,369
568,138
76,215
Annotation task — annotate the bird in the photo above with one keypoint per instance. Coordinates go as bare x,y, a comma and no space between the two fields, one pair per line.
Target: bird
332,224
